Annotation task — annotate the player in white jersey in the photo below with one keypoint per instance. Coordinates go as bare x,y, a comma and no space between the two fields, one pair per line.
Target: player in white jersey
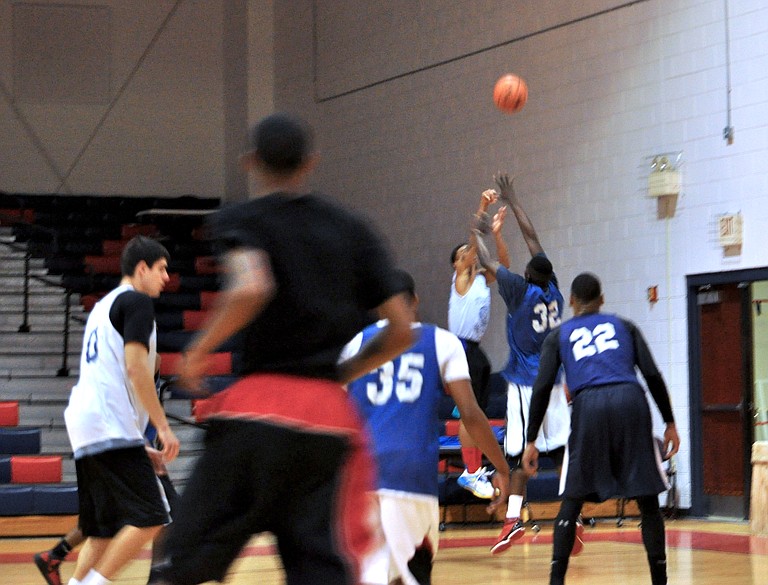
399,401
122,505
469,311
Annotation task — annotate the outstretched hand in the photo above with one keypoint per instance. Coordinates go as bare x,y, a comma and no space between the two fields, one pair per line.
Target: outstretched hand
506,186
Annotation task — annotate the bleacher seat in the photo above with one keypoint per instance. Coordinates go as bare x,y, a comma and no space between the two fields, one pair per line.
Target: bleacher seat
16,500
55,499
9,413
19,441
5,469
36,469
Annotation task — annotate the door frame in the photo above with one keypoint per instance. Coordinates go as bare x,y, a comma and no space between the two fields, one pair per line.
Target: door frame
693,284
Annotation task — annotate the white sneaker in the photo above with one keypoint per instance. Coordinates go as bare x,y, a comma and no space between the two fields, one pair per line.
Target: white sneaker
477,483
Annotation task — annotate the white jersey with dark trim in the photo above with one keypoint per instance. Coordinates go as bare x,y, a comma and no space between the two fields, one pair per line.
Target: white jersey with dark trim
104,412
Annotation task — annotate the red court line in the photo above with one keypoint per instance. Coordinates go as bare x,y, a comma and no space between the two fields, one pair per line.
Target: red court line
683,539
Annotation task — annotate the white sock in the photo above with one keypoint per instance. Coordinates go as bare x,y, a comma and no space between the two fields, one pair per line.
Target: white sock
95,578
514,506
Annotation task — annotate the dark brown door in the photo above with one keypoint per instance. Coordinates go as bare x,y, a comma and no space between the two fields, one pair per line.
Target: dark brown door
722,391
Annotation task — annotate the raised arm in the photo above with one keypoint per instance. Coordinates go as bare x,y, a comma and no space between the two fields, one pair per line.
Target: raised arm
481,228
507,194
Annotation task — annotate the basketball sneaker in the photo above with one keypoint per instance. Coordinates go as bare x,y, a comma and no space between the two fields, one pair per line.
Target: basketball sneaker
512,531
578,544
49,567
477,483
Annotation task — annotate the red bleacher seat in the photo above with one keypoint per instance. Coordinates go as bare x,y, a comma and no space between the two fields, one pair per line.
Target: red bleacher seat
131,230
112,247
8,216
103,264
35,469
89,300
9,414
207,299
174,283
193,320
206,265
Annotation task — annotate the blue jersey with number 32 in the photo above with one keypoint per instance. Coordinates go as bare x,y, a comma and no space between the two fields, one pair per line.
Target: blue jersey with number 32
532,312
400,401
597,349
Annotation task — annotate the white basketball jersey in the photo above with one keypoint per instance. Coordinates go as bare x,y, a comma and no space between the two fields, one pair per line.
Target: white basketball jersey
103,412
468,314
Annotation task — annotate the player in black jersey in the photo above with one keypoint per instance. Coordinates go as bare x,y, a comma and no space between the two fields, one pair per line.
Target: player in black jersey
611,449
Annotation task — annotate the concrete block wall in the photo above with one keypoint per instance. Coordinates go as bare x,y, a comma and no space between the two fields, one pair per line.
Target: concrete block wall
409,135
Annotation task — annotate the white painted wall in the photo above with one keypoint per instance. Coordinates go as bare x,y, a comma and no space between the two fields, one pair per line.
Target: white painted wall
410,135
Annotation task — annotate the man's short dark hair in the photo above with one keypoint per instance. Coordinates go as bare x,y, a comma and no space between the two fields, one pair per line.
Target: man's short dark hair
586,287
138,249
539,269
405,282
283,142
455,252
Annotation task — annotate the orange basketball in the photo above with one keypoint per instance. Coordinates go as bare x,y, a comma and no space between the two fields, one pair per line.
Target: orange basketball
510,93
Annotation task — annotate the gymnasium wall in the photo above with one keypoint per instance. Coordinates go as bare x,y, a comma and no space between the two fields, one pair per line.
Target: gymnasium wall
148,97
401,99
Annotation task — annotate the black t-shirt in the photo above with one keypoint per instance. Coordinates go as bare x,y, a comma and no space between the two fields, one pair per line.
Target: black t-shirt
330,268
132,314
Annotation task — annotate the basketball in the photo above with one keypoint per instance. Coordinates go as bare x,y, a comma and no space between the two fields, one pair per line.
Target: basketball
510,93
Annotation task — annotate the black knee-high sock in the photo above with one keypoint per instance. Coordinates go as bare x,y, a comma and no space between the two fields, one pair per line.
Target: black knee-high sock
562,543
652,528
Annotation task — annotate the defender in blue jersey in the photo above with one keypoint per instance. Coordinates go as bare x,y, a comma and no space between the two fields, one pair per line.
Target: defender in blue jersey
399,401
534,308
611,449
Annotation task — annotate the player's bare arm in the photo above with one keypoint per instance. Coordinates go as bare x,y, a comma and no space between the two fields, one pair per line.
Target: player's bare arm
480,228
507,193
497,223
479,429
250,286
143,382
394,338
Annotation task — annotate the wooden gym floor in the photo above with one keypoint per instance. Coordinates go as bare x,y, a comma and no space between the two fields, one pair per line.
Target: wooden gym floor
699,552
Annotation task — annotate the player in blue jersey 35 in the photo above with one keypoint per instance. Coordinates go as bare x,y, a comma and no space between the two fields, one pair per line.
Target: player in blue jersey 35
534,308
469,312
399,400
611,449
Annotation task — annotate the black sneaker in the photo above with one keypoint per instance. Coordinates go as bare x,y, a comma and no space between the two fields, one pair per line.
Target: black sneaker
49,567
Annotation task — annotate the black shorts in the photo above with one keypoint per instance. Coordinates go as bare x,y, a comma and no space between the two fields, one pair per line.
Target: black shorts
479,371
611,450
298,468
118,488
548,460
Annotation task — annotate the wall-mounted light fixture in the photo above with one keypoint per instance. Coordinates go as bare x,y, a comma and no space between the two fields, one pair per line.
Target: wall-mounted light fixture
664,182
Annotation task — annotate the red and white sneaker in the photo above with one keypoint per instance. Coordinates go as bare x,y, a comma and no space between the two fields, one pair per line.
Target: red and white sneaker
512,531
578,543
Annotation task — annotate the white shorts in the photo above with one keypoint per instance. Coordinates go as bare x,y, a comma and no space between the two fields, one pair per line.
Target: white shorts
409,521
554,430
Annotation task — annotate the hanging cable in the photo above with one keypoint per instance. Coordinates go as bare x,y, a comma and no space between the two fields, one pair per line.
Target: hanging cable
728,130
